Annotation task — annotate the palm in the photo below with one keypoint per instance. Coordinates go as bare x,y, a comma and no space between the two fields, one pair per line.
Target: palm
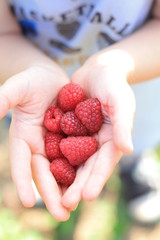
27,122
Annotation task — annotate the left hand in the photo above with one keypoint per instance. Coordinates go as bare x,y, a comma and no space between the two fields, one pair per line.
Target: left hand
104,76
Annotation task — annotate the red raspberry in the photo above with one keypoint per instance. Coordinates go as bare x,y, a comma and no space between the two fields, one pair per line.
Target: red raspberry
63,172
90,114
52,148
71,125
52,119
78,149
69,96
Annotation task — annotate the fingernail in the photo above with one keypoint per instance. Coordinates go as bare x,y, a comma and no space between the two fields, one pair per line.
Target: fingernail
130,145
71,199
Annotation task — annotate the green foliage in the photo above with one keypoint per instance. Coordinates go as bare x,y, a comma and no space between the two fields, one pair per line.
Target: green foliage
66,229
123,221
11,228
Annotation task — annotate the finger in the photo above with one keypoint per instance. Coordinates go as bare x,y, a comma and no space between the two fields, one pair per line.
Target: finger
20,157
48,188
73,195
107,158
12,93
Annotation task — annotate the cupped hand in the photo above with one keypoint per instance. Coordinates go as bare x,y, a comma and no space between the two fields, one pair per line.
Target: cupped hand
30,93
104,76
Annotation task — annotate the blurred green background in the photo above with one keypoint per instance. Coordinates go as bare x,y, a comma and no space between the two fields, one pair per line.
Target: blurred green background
106,218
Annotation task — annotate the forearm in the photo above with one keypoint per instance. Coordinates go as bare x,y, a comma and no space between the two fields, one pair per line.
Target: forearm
139,53
18,54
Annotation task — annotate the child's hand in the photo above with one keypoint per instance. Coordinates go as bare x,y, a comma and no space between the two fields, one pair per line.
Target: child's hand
105,76
30,93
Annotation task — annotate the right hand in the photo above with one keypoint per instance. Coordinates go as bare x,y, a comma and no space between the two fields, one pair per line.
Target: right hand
30,93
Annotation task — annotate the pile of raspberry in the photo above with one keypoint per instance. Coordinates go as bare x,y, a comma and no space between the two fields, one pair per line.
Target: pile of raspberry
71,124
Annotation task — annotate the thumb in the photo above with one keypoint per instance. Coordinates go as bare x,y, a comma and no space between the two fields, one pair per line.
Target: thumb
12,93
121,109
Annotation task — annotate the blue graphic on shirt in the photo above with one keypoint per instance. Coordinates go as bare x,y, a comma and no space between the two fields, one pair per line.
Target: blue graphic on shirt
28,27
104,40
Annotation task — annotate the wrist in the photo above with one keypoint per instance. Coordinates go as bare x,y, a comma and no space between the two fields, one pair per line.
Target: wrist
117,61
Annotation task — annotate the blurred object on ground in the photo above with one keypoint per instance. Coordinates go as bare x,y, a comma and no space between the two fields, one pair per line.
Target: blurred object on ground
141,186
138,232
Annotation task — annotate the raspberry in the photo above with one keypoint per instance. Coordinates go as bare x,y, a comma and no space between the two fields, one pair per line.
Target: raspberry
52,148
52,119
78,149
63,172
71,125
69,96
90,114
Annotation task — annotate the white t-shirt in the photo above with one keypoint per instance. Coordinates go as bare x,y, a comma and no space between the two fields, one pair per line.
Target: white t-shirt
70,31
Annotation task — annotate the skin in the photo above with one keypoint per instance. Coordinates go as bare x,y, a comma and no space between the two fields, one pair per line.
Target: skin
28,76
